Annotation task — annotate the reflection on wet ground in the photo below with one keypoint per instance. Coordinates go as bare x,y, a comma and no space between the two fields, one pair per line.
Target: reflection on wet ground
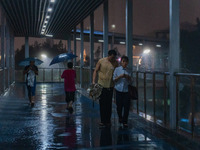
49,126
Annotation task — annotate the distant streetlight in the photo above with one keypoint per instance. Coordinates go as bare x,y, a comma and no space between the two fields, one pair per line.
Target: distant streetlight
43,55
113,26
145,52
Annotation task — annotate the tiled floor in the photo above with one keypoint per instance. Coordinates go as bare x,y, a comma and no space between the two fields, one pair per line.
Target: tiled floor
49,126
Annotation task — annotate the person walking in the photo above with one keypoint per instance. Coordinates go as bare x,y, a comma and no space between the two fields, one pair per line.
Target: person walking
105,68
69,76
31,71
122,78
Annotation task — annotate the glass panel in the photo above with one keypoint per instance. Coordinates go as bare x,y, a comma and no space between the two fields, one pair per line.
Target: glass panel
151,32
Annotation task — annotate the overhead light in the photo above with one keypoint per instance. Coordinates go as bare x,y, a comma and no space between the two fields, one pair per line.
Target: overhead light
122,42
140,44
52,1
101,41
47,17
44,26
42,32
49,35
45,21
158,45
43,29
78,38
49,9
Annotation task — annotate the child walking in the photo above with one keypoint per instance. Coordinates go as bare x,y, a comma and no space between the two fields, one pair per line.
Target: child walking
69,76
122,78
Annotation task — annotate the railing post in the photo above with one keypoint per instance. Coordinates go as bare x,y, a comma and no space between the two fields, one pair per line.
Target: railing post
43,74
154,101
165,100
177,97
60,75
192,104
137,85
52,75
145,106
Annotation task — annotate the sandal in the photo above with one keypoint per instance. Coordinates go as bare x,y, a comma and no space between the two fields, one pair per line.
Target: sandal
102,125
70,109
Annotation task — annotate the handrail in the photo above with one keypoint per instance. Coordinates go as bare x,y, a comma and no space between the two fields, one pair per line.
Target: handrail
187,74
158,82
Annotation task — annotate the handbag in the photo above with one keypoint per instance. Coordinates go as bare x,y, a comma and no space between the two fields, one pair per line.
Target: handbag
133,92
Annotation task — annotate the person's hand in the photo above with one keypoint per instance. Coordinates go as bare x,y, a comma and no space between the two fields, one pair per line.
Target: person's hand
122,76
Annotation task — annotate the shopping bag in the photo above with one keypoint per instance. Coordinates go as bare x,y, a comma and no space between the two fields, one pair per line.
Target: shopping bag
133,93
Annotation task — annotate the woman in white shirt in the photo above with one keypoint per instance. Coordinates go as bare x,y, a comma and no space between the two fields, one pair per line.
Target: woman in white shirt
122,78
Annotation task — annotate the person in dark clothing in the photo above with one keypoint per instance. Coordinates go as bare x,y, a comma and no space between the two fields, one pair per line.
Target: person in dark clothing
105,68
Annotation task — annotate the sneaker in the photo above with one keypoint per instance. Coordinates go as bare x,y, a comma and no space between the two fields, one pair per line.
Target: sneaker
125,125
120,120
32,104
101,125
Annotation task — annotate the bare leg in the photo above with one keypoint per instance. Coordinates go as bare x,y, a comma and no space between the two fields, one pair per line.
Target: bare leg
32,100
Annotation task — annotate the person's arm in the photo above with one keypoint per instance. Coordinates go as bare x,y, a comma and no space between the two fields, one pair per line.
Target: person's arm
26,69
115,77
95,72
35,70
128,77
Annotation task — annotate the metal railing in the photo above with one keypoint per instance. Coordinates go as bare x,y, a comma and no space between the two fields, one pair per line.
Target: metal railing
153,89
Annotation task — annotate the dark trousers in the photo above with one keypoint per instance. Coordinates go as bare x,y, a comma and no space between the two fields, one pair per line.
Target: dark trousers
123,105
105,103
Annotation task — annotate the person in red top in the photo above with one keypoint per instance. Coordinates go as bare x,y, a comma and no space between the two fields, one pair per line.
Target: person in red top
69,77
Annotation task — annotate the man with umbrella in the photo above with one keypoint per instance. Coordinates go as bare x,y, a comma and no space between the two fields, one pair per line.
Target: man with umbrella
31,71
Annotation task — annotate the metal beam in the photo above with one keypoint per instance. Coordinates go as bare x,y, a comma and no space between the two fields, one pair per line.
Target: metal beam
91,45
174,57
105,28
129,32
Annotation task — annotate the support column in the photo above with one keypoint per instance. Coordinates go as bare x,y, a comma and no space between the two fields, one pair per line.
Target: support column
91,45
105,28
8,56
26,47
3,48
174,57
69,43
81,61
129,32
74,45
12,57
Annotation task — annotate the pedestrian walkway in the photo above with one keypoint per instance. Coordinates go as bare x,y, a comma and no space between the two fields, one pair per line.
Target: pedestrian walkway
49,126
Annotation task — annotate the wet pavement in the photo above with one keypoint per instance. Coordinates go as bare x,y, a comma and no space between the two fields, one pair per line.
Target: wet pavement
49,126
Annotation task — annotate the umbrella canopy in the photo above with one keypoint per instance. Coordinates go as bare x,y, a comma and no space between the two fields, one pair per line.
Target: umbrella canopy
26,61
62,57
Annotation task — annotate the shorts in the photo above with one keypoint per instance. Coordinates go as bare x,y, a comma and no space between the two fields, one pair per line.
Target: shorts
69,96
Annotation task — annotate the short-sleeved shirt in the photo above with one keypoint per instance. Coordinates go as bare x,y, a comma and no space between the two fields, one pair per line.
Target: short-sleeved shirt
122,84
69,76
106,72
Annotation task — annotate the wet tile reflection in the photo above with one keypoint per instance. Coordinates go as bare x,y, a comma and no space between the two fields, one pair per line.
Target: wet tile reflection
49,126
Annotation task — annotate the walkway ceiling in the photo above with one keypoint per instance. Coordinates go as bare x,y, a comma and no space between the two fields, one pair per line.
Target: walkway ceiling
26,17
